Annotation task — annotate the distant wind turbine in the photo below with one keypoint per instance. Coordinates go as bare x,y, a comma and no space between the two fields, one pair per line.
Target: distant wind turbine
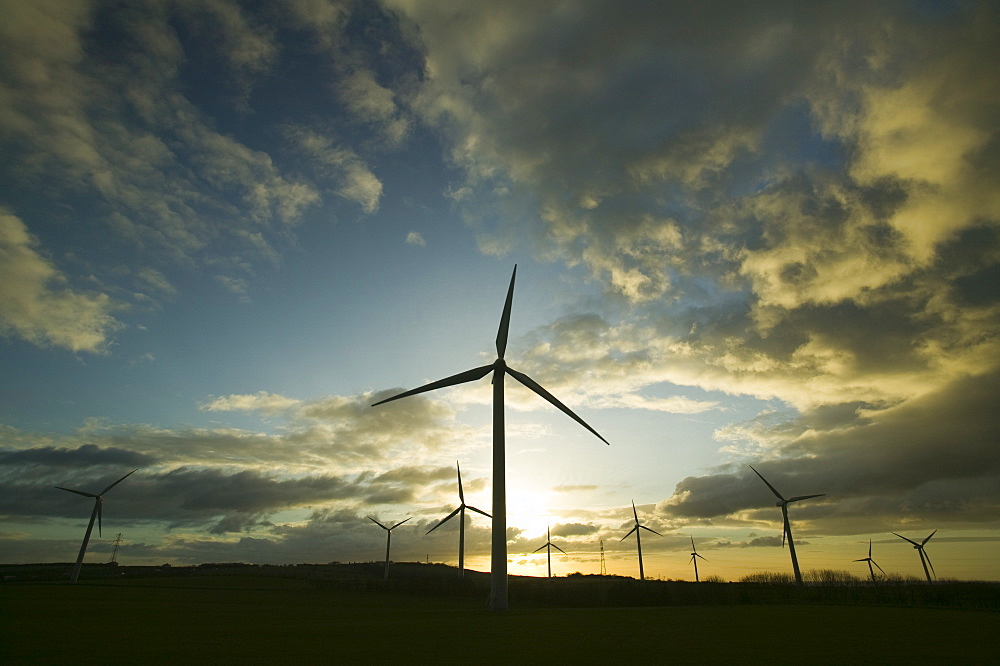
783,503
548,549
694,560
925,559
388,540
460,511
498,554
96,513
870,562
638,539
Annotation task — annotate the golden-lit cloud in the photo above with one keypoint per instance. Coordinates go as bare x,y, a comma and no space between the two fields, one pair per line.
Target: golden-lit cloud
38,304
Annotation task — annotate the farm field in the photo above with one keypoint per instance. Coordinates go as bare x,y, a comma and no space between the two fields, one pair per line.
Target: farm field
230,619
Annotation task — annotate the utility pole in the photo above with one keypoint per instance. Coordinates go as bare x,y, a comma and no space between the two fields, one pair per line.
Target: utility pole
114,550
604,569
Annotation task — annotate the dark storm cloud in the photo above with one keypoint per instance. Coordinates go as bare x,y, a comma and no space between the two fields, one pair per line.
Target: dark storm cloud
933,456
573,529
87,455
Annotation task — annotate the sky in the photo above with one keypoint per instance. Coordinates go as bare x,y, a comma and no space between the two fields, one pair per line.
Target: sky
761,234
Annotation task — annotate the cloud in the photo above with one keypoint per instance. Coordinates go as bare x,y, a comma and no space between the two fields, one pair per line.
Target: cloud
926,459
262,401
414,238
37,302
740,183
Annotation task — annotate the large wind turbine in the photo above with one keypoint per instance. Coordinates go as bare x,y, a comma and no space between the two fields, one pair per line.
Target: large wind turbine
638,540
548,549
694,560
96,513
783,503
460,511
498,555
388,540
925,559
870,562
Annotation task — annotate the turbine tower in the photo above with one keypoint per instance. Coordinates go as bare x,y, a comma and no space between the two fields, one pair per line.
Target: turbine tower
925,559
638,540
498,554
694,560
604,568
787,530
870,562
388,541
96,513
548,549
460,511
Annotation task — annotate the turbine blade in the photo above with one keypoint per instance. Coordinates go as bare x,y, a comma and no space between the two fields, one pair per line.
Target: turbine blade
559,549
879,568
399,523
773,489
119,481
534,386
629,533
78,492
692,545
461,493
634,513
804,497
701,556
505,317
539,548
905,539
929,562
869,548
460,378
650,530
450,516
377,523
479,511
928,538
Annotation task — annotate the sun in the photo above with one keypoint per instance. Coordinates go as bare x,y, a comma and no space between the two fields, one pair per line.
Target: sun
529,511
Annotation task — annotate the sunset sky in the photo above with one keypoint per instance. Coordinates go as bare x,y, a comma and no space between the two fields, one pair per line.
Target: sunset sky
746,233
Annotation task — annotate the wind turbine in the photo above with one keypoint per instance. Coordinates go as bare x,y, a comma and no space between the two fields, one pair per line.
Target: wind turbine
925,559
548,549
638,540
783,503
870,562
694,560
388,540
460,511
96,513
498,554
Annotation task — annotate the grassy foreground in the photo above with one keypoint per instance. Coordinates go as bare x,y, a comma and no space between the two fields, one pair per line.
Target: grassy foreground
256,619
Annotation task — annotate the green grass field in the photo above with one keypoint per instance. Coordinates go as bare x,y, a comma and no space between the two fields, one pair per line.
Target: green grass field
252,619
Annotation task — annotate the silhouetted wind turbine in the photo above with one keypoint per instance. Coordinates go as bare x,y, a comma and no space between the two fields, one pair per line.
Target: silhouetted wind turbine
460,511
498,554
638,539
925,559
783,503
548,549
694,560
388,540
870,562
96,513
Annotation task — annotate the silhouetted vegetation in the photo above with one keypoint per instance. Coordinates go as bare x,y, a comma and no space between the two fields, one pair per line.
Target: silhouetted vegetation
416,579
